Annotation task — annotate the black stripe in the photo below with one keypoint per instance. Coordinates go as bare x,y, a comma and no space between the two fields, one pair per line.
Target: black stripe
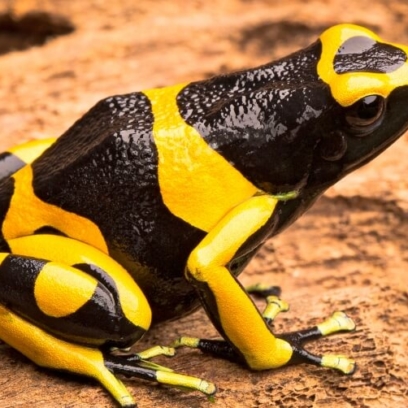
115,328
101,276
17,279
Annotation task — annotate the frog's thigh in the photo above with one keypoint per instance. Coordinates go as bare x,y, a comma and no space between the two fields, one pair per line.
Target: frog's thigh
81,294
230,307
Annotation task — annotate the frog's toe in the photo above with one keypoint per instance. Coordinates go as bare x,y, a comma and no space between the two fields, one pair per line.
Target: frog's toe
337,322
339,362
157,351
191,342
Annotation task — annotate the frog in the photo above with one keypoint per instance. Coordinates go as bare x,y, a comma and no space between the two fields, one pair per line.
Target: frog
152,204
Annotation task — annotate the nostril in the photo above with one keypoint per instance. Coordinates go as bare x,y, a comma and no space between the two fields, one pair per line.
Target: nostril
333,146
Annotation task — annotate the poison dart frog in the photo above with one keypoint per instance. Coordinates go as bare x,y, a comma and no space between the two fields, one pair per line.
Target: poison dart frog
153,202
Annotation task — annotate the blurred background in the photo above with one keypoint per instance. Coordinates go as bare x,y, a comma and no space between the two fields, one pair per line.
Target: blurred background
58,58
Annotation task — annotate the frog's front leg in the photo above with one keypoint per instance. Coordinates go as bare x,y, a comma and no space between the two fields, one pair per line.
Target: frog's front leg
68,306
249,338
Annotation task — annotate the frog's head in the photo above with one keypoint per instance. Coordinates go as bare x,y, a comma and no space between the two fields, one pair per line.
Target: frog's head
368,79
307,120
357,108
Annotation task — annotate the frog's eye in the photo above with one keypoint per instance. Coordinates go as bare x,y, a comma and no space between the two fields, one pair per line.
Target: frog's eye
366,114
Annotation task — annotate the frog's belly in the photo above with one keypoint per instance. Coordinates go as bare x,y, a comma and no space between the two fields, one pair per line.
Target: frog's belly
169,294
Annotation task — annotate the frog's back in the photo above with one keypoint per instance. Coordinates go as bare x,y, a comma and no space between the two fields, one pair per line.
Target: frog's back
104,169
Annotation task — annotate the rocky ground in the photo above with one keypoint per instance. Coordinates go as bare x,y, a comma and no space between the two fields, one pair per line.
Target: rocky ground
348,252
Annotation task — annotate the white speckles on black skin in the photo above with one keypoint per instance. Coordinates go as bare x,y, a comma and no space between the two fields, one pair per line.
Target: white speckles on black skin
204,97
262,120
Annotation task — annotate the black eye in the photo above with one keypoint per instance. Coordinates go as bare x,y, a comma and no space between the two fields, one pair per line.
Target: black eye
366,114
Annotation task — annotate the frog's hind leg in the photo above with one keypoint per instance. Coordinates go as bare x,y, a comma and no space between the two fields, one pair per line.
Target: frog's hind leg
17,157
47,350
66,309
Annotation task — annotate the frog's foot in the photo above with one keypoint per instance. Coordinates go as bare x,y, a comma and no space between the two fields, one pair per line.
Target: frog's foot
263,290
142,356
136,365
338,322
274,305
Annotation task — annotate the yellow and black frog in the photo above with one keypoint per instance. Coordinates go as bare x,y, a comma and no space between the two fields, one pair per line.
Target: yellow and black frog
153,202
